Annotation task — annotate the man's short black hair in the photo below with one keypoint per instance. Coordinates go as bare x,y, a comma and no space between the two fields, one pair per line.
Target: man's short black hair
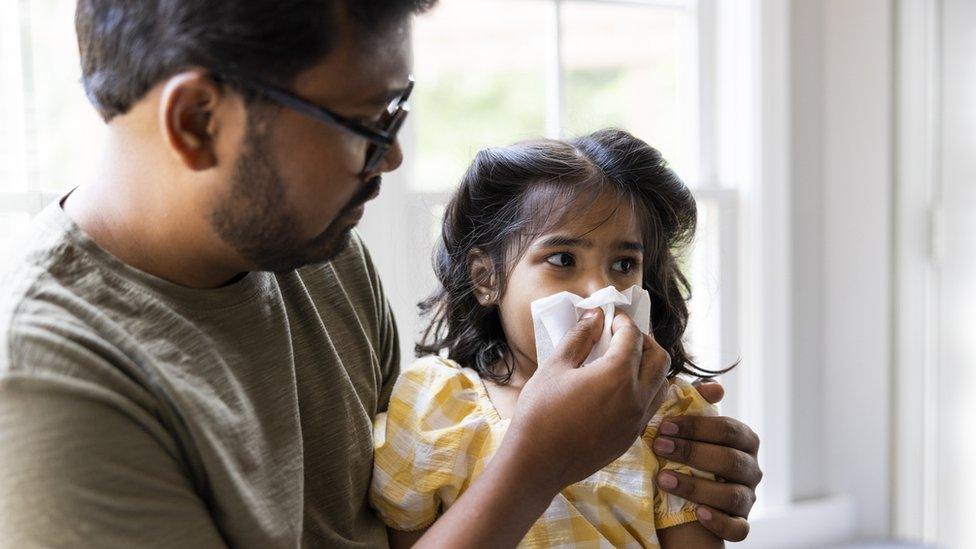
127,46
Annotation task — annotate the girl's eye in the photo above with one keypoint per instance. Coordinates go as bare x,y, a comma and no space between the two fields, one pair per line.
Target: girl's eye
623,265
562,259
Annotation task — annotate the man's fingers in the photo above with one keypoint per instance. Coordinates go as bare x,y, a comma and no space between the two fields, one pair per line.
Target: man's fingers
733,499
722,524
655,364
727,463
626,342
621,320
579,341
712,391
723,431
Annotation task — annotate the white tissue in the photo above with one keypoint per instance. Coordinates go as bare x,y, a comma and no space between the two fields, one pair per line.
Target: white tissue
555,315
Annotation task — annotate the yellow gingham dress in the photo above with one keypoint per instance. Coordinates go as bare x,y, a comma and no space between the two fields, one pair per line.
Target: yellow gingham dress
441,429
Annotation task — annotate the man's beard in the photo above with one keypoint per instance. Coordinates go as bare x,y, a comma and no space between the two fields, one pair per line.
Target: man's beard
254,218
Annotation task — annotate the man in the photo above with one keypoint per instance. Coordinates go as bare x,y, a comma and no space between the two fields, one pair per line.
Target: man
194,342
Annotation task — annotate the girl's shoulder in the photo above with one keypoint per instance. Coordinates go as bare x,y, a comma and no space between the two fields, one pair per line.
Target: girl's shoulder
435,374
433,367
438,393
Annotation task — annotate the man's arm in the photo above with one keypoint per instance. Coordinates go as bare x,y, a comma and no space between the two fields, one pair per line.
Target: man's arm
689,534
76,471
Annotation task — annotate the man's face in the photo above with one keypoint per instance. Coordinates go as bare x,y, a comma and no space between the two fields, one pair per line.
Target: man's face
298,186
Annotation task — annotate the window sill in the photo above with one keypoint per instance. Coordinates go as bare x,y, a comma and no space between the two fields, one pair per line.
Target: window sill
812,523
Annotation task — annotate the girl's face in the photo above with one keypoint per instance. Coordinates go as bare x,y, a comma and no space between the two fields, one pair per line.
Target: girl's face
600,247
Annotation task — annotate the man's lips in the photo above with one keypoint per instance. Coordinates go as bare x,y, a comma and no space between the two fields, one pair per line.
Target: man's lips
370,192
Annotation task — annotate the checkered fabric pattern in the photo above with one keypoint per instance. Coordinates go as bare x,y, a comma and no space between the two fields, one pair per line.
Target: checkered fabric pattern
441,429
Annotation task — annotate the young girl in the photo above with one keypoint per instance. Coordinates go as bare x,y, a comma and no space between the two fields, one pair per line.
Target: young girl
529,221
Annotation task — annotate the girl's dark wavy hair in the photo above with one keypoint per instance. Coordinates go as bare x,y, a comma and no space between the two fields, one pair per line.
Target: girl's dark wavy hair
509,195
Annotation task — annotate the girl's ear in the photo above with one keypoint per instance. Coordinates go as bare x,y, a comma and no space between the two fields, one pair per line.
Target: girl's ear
484,279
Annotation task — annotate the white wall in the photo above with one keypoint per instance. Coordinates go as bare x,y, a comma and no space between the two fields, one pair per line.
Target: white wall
857,196
842,101
807,107
956,369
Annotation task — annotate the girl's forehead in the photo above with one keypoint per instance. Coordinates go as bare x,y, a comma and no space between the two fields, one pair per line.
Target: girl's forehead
604,214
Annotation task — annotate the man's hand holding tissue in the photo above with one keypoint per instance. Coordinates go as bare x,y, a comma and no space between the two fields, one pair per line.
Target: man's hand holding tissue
573,421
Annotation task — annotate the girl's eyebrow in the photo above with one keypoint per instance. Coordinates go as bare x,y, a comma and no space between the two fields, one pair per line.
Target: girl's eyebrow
570,242
565,242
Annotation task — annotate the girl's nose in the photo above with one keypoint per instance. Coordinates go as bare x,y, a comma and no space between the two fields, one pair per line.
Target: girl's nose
595,283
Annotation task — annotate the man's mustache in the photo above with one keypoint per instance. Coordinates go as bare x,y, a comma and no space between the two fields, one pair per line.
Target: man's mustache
367,193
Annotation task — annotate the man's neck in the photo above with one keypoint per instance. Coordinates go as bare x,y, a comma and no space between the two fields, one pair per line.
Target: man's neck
125,217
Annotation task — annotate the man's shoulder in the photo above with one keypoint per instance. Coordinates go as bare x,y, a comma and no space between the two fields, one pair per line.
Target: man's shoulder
38,311
44,307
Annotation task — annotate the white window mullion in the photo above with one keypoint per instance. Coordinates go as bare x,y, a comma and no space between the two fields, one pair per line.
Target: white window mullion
13,131
706,50
749,158
29,94
555,80
917,255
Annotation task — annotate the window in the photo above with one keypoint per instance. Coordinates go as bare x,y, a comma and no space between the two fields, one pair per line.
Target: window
50,131
550,71
563,68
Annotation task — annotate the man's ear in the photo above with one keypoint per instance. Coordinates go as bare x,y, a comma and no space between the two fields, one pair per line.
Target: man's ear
187,118
484,278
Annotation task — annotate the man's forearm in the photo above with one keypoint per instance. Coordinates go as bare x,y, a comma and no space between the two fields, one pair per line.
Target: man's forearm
499,508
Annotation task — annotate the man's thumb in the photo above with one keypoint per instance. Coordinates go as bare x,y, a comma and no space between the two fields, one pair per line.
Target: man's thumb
579,341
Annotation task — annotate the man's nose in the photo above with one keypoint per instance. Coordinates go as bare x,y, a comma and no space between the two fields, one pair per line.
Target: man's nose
393,158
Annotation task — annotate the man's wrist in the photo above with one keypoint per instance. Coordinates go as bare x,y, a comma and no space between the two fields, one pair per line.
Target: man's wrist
526,465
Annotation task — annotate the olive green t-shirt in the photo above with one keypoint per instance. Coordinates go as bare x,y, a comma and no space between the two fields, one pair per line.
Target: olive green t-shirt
138,413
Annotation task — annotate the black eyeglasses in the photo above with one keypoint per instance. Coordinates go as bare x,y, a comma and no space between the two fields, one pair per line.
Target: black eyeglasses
381,136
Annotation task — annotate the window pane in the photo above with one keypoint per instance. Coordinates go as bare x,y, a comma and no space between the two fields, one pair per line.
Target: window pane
632,66
66,133
13,170
702,267
480,82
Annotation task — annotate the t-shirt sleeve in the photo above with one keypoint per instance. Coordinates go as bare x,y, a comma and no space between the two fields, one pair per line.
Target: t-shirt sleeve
422,444
390,347
389,340
77,471
682,399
